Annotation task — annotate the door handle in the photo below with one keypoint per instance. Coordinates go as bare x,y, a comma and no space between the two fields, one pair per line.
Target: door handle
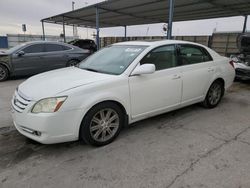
210,69
175,77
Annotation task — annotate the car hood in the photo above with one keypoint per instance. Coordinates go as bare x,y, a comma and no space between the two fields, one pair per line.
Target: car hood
52,83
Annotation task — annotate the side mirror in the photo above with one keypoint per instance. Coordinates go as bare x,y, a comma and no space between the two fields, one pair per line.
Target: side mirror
20,53
144,69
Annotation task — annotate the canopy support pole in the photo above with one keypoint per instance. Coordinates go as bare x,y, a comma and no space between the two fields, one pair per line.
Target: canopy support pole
125,32
97,29
43,30
64,37
170,18
245,25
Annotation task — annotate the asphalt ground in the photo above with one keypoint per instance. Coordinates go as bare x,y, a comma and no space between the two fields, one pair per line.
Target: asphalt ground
189,148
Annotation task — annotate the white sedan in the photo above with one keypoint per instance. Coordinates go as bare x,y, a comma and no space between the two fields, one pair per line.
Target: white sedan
120,84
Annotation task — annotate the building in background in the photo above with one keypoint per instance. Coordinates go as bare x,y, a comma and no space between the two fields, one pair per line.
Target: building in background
11,40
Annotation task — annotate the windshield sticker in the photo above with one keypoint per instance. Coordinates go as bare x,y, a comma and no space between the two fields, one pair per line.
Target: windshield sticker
133,50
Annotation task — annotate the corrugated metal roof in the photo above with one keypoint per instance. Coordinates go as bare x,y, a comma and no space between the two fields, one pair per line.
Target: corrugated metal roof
136,12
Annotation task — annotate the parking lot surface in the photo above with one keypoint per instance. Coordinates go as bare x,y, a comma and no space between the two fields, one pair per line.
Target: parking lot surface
188,148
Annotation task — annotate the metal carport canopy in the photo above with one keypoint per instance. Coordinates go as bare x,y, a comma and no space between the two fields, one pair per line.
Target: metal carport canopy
114,13
135,12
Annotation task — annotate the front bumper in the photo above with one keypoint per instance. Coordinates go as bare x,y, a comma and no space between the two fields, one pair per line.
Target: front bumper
242,74
48,128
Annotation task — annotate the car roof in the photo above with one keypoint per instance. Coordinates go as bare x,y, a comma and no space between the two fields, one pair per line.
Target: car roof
44,42
156,43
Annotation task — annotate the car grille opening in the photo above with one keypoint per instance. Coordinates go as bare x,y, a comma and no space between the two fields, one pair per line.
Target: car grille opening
19,102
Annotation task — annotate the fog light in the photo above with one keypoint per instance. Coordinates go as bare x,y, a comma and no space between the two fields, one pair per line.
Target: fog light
37,133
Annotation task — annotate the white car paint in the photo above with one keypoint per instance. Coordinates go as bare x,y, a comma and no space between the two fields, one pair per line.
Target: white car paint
141,96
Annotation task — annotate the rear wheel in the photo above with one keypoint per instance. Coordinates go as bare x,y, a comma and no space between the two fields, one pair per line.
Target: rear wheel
102,124
214,94
73,63
4,73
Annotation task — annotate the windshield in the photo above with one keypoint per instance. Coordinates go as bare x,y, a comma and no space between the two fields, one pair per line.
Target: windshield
13,49
112,60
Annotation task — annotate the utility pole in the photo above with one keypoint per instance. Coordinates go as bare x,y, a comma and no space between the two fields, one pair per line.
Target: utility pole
74,27
170,18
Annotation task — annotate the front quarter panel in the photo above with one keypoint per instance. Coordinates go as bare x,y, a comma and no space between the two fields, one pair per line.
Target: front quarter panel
85,97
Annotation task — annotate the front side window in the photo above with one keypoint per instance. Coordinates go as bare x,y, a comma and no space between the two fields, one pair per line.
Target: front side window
53,48
192,54
35,48
163,57
112,60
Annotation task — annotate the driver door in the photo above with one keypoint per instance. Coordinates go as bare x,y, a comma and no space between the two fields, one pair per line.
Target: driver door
31,62
161,91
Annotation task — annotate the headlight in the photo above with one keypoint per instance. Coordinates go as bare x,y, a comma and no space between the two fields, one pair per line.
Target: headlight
48,105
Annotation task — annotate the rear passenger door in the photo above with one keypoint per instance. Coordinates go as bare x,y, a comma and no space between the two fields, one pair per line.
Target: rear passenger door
55,56
197,68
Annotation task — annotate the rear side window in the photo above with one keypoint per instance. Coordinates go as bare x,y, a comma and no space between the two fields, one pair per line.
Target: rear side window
66,48
163,57
190,54
53,47
35,48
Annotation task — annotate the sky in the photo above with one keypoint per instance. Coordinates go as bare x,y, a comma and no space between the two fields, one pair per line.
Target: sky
14,13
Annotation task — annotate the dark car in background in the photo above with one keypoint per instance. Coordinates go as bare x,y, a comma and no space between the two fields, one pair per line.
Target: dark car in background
35,57
85,44
241,61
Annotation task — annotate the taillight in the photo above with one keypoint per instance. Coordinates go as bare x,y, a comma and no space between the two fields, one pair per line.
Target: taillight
231,63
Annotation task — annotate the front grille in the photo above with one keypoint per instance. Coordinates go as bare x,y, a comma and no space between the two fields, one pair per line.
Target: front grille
19,102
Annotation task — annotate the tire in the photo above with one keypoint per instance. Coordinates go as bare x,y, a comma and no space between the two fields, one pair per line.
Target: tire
214,95
4,73
73,63
102,124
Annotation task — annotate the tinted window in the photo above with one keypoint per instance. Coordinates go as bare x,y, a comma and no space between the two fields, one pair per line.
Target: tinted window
66,48
53,47
192,55
163,57
35,48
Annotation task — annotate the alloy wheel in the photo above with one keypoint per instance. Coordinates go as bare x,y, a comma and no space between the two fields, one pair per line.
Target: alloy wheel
2,73
214,94
104,125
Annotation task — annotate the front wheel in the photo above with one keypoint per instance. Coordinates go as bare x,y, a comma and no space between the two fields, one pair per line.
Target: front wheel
72,63
214,95
4,73
102,124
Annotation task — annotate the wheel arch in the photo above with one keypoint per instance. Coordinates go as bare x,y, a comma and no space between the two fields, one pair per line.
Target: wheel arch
123,108
217,79
222,81
7,67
